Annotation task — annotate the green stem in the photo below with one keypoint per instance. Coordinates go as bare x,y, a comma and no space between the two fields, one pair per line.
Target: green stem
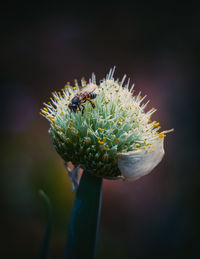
84,224
44,253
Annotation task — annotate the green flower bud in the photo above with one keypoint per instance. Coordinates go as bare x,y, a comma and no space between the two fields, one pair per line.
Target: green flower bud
112,137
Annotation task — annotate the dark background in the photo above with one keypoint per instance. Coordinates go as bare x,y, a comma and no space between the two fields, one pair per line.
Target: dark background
42,48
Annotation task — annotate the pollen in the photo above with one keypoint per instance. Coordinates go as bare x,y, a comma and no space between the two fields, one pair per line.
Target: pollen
100,129
162,135
42,111
89,132
104,139
137,145
106,148
143,147
100,142
156,124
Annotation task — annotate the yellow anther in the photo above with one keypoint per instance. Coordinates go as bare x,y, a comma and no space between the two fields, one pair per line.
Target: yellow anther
162,135
118,139
117,154
149,144
137,145
70,123
43,112
156,124
104,139
98,139
100,142
119,121
100,129
75,87
110,123
116,90
89,132
143,147
70,128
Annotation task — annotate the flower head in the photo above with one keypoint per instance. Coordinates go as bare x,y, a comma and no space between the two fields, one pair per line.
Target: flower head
104,128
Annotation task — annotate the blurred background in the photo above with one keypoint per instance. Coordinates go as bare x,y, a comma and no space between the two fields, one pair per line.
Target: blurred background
43,48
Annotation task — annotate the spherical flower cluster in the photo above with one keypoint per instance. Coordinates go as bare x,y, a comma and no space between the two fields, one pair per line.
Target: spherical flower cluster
109,135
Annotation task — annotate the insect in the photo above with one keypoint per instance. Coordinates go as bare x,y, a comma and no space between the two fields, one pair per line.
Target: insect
80,98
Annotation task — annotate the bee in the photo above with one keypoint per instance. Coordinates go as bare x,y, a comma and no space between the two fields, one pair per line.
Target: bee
80,98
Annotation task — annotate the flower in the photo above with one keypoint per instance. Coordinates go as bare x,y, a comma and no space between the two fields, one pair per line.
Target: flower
109,134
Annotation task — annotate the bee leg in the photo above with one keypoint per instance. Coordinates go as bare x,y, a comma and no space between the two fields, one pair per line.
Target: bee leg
92,103
79,108
83,108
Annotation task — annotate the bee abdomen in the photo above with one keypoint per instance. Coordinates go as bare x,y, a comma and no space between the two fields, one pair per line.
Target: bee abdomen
92,95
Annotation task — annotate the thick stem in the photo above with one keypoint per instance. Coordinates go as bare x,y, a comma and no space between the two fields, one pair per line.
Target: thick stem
84,224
